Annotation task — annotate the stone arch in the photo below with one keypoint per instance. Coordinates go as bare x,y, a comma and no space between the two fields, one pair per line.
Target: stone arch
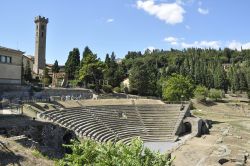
194,123
197,125
187,128
67,137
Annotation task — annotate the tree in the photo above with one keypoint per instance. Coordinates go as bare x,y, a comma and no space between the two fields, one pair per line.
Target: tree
55,67
91,70
200,93
73,63
138,79
143,79
85,53
178,88
27,72
220,78
107,60
46,79
112,73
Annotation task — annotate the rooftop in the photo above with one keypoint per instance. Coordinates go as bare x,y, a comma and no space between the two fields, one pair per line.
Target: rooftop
12,50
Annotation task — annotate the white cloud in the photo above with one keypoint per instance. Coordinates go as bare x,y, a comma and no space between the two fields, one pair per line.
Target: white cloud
202,44
180,42
203,11
171,13
110,20
150,48
238,45
172,40
215,44
180,2
185,2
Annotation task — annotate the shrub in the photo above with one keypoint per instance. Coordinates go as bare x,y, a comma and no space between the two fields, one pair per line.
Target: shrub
73,83
47,81
216,94
200,93
90,152
117,89
91,86
107,88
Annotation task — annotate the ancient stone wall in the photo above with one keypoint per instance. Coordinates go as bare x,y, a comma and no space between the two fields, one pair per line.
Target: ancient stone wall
45,137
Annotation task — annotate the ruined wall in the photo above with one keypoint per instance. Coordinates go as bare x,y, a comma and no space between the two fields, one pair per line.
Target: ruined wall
45,137
197,125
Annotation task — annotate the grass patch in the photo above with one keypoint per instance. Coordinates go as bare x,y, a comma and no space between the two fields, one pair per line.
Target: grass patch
198,113
37,154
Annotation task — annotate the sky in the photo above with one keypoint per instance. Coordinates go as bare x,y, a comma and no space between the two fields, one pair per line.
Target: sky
125,25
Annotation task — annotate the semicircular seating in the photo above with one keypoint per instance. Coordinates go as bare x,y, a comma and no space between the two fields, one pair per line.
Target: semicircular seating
109,120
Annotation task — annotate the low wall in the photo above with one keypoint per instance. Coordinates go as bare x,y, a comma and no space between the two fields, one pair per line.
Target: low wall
25,93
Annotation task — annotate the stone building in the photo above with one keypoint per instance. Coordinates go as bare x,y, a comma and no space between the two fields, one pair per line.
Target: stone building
26,59
10,65
40,44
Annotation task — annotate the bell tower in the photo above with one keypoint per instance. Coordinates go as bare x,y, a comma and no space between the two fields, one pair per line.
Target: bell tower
40,44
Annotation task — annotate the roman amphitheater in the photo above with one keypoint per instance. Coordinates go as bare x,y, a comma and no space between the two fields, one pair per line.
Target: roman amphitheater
47,123
120,119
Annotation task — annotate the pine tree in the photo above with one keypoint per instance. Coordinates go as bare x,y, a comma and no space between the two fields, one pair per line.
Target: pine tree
107,60
73,63
85,53
55,67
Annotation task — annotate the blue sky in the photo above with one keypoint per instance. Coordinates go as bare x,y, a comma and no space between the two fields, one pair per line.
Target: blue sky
125,25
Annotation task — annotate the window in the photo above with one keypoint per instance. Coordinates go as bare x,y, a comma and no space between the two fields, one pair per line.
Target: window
8,60
42,34
5,59
42,27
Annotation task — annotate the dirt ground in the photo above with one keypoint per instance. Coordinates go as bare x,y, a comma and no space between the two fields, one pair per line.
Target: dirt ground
229,138
12,153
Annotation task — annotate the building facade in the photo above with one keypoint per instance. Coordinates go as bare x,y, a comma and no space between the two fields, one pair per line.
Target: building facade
40,44
10,66
28,59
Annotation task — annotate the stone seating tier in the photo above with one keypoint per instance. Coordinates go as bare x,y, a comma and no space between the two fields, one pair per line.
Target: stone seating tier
113,122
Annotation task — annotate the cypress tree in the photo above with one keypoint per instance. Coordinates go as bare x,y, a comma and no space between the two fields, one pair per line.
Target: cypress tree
72,64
